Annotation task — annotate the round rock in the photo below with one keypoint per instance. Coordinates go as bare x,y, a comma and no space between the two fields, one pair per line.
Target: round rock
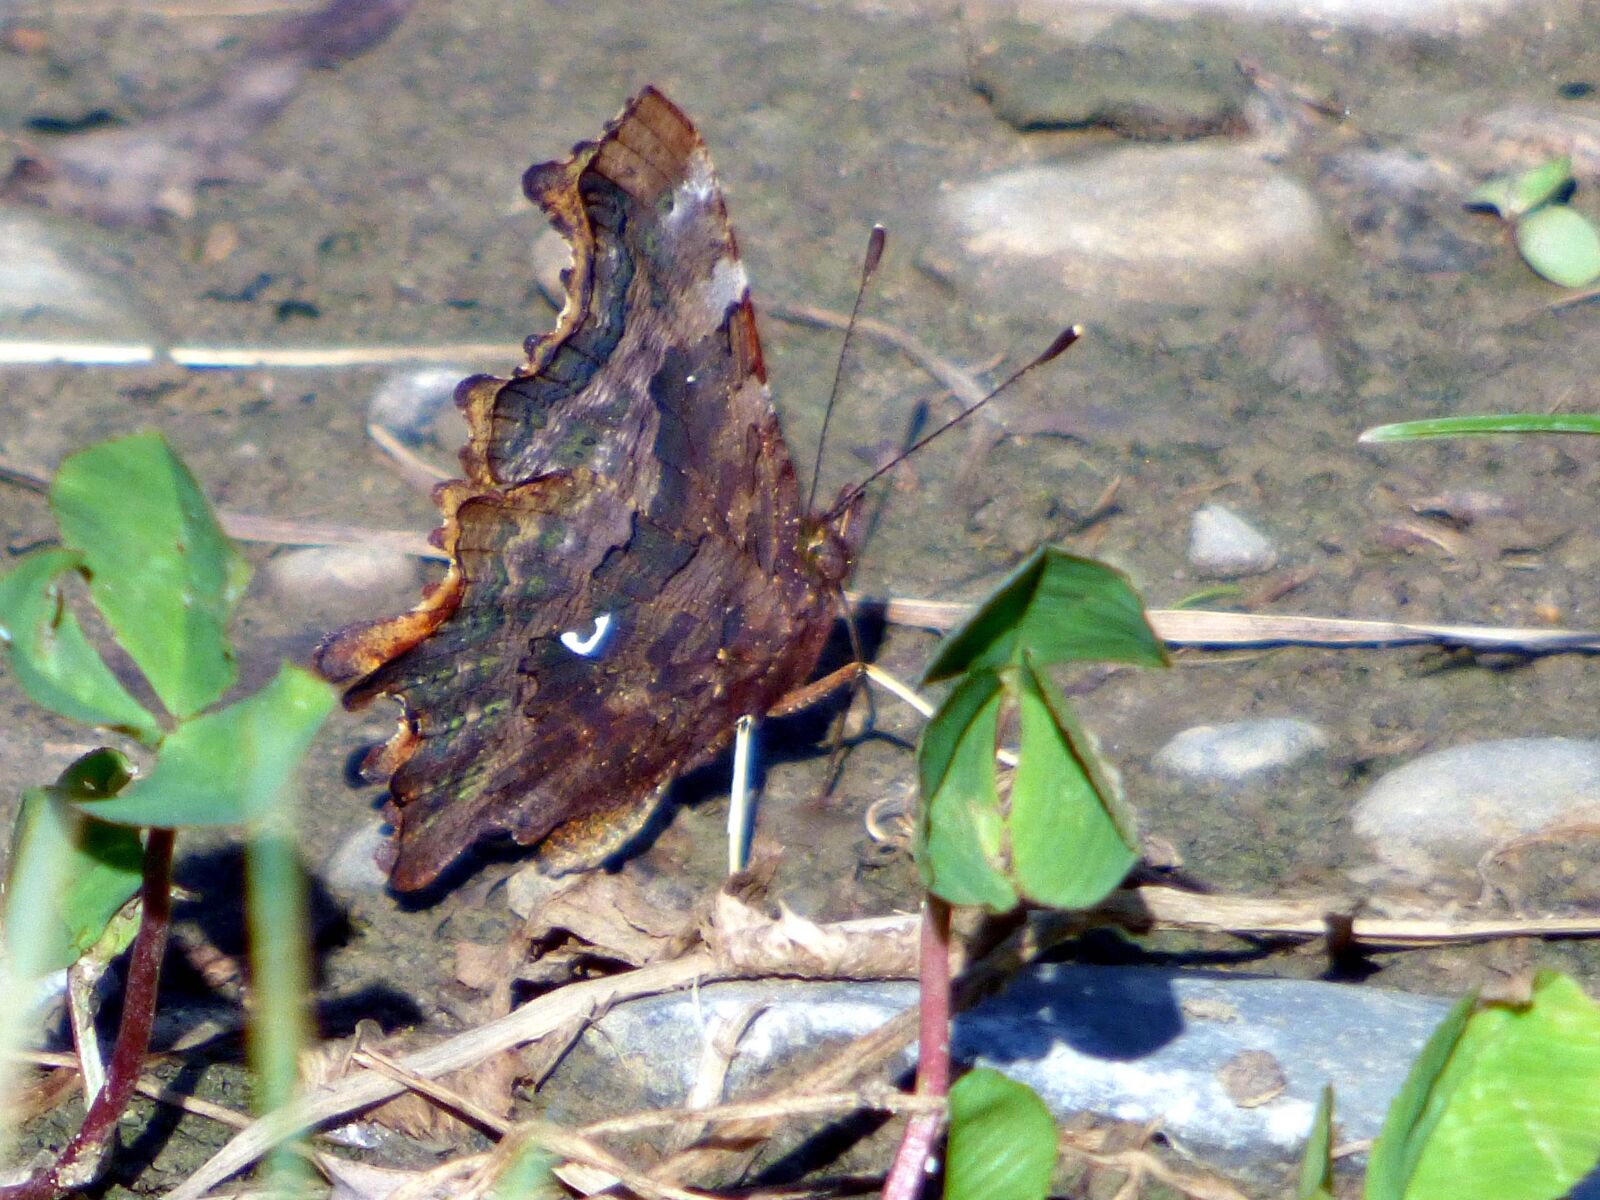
1449,808
352,869
340,582
1223,545
412,404
1240,750
1165,224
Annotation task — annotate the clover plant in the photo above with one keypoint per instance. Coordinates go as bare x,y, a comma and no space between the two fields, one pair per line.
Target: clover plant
90,868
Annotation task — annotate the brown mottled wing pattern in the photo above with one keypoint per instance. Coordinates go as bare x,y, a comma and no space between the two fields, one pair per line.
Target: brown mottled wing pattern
631,569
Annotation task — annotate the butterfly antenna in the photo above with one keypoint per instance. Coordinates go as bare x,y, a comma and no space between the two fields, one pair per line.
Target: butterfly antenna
869,267
1064,339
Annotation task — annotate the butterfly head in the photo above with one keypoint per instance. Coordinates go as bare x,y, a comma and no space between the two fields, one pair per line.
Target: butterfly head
831,540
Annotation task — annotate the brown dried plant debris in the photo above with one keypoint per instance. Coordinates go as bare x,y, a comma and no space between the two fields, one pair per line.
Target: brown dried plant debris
488,1084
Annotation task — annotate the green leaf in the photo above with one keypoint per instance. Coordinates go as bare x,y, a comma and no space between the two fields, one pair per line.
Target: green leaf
70,875
1215,594
1061,608
1072,836
1513,195
1002,1140
1316,1161
1561,245
960,848
96,775
50,656
159,567
1521,1101
1415,1110
528,1172
233,765
1433,427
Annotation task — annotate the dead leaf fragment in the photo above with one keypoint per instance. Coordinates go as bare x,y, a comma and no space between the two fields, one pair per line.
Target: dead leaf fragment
617,916
1252,1077
488,1084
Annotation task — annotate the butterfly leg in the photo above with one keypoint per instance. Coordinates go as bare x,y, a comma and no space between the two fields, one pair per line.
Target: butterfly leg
740,817
818,690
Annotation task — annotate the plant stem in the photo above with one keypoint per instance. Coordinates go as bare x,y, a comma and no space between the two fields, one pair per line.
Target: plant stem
909,1172
275,901
80,1159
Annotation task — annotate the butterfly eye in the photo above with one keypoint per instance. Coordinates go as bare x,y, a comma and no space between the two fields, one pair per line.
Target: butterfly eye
587,647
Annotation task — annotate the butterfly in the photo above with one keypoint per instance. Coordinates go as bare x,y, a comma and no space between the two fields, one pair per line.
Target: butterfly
632,568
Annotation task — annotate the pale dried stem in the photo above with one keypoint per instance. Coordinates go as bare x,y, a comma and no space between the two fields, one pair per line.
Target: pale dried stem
1198,628
1141,907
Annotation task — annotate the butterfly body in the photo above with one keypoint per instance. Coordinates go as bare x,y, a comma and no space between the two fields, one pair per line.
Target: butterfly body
632,568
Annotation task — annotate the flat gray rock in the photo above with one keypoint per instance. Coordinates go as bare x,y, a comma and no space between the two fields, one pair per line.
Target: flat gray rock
352,869
1149,224
318,588
1231,1065
1447,809
1457,15
53,287
1142,78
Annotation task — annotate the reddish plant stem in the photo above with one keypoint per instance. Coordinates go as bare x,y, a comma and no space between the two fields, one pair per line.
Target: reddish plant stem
934,1012
80,1159
908,1172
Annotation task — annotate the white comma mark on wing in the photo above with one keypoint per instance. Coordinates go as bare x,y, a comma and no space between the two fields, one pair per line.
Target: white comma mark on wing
588,647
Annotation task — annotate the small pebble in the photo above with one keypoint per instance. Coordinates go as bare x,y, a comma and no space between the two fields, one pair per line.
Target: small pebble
1240,750
352,869
411,404
332,574
1295,336
551,254
1223,545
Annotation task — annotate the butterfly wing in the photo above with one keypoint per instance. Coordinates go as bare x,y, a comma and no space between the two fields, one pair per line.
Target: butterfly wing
629,572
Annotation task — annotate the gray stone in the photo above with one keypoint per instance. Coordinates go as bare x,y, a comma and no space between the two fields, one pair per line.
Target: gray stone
1223,545
1161,224
1447,809
551,254
1135,1043
1512,138
1457,15
352,869
1240,750
51,286
320,576
1139,77
412,404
